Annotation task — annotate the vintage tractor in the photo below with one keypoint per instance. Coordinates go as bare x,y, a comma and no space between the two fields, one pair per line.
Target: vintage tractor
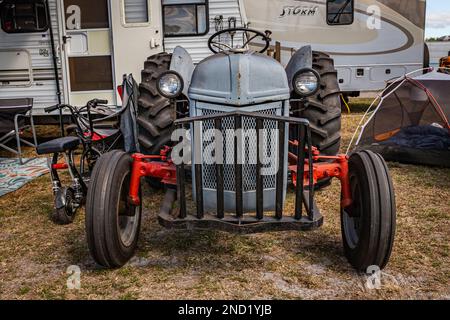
237,143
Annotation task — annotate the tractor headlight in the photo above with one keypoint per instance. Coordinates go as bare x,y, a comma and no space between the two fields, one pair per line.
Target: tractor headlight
170,84
306,82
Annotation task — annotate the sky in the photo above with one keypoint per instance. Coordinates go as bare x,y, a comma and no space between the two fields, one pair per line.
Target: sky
438,18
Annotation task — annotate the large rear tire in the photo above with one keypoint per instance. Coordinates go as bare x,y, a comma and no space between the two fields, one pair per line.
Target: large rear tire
112,224
324,109
368,225
156,113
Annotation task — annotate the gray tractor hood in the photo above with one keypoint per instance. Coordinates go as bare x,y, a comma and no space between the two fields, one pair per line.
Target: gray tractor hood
239,79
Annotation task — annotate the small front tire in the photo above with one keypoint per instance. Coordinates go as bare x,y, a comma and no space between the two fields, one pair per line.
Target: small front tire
368,225
112,224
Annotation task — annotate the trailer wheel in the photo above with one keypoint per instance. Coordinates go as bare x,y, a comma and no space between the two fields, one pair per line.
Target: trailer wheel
112,224
368,225
156,114
324,109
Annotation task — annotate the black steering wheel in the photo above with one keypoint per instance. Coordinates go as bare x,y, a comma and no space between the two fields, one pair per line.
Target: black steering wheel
249,35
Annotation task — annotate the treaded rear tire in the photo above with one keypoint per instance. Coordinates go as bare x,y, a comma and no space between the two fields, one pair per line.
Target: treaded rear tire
155,113
324,108
371,242
105,202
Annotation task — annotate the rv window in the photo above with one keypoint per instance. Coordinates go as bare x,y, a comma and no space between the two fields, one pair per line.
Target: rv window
136,11
90,73
185,17
340,12
86,14
22,16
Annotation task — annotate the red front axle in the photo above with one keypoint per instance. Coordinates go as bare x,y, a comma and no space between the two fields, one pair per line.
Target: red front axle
162,168
338,168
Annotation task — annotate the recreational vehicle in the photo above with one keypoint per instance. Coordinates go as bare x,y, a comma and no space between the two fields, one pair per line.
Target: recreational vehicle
90,45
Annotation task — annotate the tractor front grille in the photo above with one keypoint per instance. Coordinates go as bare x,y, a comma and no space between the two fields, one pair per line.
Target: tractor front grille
248,144
250,153
235,207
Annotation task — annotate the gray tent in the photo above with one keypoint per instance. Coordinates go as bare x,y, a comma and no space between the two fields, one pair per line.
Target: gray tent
410,122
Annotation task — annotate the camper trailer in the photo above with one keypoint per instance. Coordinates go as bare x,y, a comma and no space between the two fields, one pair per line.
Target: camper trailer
90,45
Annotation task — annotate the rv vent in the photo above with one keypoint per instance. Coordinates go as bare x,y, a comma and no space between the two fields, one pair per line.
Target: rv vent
15,68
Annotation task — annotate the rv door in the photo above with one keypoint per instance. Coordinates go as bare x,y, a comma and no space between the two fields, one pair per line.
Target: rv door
136,33
86,48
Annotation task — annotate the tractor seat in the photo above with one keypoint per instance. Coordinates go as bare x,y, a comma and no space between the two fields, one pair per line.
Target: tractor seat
58,145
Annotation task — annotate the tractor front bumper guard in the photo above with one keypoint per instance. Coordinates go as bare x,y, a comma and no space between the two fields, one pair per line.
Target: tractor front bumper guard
169,218
174,212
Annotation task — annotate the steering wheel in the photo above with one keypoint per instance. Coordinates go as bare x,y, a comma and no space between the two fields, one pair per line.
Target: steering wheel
217,46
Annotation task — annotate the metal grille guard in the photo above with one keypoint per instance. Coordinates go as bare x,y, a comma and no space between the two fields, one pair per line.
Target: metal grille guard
180,218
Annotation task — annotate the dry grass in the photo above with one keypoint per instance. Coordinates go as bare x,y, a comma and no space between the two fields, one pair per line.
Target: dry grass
35,253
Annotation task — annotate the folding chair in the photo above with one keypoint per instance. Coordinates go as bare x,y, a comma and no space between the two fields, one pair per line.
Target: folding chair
13,116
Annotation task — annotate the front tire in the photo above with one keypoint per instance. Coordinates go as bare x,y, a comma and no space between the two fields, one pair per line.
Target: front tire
368,225
112,224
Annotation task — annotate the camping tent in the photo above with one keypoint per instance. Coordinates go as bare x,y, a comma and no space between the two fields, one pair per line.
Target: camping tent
410,122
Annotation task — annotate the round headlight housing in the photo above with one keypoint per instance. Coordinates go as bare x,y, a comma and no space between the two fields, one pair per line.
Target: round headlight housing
170,84
306,82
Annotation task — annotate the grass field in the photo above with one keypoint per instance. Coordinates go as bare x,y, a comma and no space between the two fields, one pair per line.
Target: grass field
35,254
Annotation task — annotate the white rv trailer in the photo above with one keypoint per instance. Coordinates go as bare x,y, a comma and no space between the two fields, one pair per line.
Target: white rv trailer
96,42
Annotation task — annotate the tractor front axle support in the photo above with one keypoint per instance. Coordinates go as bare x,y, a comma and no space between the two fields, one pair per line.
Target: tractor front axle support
160,168
338,168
